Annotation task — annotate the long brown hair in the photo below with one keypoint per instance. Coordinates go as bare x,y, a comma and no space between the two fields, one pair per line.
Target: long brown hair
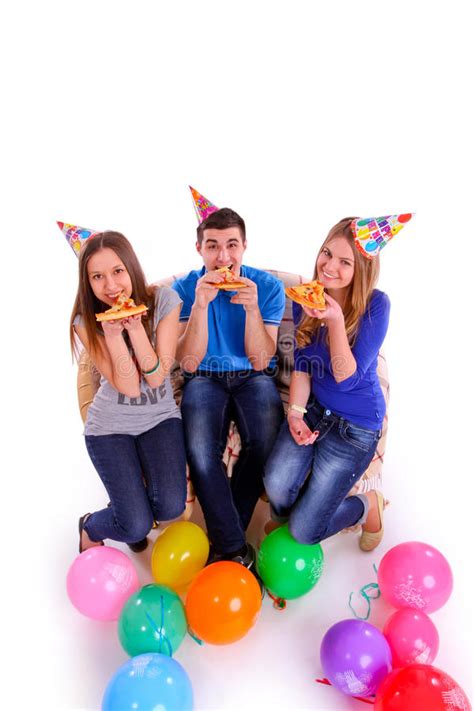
366,272
87,304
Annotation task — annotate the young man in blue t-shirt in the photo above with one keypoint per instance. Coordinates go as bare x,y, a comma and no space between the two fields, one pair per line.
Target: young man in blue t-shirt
227,351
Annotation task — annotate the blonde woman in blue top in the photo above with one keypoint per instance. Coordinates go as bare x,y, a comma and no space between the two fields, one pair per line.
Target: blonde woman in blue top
336,405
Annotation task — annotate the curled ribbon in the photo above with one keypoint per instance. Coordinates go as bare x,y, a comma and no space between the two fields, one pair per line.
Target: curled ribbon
159,631
364,592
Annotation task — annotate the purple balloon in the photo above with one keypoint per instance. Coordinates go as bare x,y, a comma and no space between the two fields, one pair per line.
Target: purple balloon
355,657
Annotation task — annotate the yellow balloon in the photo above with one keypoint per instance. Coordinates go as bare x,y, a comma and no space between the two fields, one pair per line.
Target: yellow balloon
178,555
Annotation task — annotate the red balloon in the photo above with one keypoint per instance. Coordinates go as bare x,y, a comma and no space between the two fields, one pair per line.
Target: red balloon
420,687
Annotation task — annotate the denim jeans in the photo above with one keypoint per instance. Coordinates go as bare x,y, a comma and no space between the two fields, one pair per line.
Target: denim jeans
125,463
308,484
210,402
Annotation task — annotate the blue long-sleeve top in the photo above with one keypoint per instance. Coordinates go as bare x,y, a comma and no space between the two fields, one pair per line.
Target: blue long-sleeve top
358,398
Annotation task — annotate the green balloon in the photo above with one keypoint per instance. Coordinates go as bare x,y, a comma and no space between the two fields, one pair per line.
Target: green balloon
289,569
152,620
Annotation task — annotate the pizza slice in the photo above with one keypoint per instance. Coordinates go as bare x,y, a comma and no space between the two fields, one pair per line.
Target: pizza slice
122,308
310,294
231,281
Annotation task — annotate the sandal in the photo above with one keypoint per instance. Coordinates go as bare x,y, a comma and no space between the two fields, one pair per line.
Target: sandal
82,521
369,540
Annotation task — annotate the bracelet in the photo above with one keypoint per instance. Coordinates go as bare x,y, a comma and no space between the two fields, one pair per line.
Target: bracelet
297,408
153,370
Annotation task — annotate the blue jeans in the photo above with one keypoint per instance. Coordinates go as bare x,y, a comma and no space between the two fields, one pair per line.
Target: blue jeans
308,484
210,402
125,463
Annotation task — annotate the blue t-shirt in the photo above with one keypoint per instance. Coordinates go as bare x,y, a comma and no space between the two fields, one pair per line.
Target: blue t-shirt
226,321
359,398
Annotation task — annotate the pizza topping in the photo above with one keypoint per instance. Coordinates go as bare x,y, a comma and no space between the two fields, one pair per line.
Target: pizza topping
310,295
121,308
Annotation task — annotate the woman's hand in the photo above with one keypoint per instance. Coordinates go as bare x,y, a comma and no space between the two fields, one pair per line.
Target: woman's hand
132,323
112,328
299,430
332,312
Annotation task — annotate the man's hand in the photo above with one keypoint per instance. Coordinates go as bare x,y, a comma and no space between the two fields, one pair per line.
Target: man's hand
248,296
206,290
299,429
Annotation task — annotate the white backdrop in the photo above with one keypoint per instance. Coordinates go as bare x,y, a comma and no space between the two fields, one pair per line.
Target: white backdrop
295,116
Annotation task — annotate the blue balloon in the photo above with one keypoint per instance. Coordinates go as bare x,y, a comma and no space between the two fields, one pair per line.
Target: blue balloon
148,682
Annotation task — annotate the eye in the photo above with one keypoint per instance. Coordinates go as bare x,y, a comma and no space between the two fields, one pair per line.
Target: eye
96,277
346,264
119,270
325,252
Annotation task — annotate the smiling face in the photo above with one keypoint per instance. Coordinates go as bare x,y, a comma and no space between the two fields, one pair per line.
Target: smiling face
335,264
108,276
222,248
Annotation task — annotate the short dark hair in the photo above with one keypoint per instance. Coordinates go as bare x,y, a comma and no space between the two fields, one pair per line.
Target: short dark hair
221,220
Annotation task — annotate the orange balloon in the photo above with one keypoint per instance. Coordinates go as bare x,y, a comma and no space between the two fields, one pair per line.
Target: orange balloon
223,603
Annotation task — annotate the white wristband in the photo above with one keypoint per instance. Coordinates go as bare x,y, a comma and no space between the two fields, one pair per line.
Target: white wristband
297,408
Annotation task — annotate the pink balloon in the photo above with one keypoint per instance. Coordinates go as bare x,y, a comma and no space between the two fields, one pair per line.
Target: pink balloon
412,637
99,582
415,575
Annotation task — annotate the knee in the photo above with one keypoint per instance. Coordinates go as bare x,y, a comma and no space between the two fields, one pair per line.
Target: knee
135,528
202,461
276,493
303,534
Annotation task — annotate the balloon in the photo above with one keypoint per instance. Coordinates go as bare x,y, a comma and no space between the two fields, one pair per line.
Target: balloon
149,682
355,657
99,582
223,602
416,575
420,687
289,569
152,620
412,637
179,553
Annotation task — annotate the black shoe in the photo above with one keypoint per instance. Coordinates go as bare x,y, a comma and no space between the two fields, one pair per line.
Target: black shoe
139,546
82,521
249,560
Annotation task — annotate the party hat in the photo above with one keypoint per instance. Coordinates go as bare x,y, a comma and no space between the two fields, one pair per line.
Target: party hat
75,235
372,234
202,205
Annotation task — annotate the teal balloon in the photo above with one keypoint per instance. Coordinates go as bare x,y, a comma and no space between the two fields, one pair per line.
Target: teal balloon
289,569
149,682
152,620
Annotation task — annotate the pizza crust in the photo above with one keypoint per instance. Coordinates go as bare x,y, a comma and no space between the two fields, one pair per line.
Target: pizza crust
123,313
232,283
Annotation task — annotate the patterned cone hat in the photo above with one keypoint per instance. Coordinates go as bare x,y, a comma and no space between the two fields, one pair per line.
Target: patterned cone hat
202,205
372,234
76,236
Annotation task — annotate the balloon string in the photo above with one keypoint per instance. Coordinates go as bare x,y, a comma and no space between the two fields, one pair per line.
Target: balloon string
196,639
358,698
159,632
364,592
279,603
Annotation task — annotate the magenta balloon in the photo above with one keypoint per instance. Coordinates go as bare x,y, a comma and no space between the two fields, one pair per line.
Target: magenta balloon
355,657
99,582
412,637
415,575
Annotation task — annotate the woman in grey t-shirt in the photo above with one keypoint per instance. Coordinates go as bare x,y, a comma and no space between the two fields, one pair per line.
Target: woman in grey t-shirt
133,430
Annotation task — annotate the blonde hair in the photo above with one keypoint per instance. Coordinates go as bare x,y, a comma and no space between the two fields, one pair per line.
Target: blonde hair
366,272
